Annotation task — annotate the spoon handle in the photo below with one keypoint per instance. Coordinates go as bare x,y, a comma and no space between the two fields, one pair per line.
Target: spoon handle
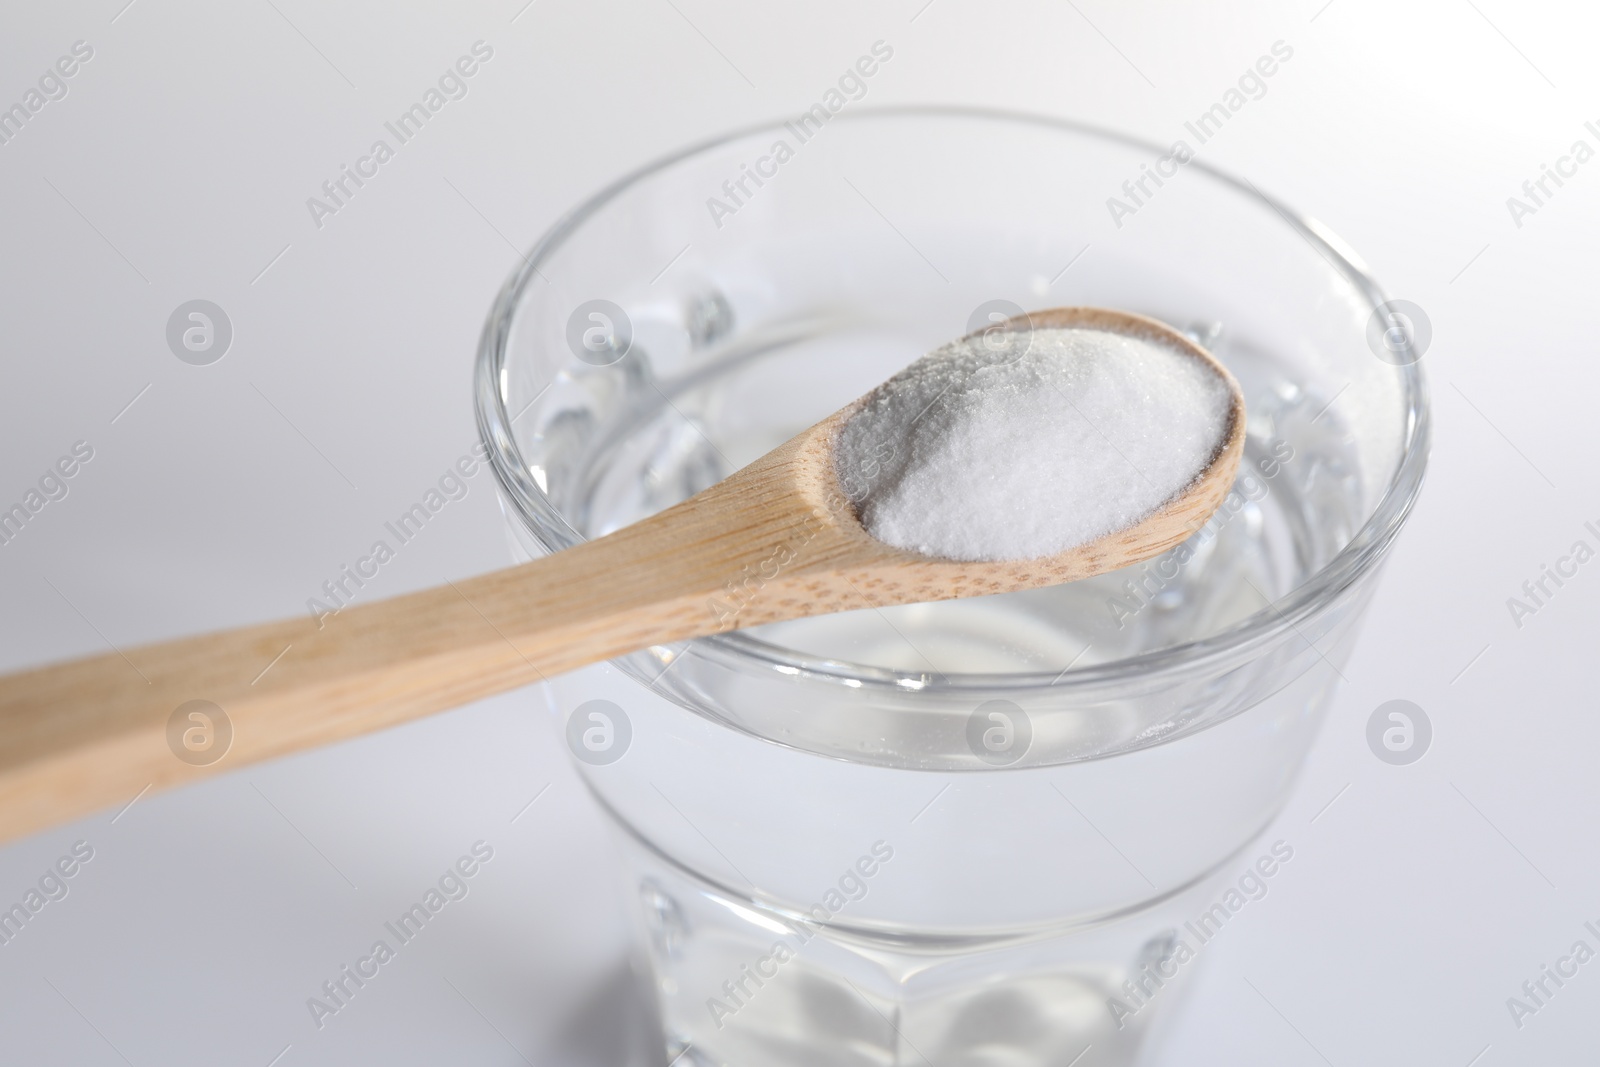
87,734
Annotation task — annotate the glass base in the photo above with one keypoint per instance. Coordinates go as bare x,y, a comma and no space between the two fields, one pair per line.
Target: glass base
743,986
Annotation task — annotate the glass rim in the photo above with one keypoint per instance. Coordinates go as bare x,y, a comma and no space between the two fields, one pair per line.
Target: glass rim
1360,555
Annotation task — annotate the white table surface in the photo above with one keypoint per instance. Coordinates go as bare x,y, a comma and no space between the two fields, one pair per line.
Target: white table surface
177,167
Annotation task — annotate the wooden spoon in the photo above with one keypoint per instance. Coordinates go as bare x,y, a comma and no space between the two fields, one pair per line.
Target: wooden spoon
776,540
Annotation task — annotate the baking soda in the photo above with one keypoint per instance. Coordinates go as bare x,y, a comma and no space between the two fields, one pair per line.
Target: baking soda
977,452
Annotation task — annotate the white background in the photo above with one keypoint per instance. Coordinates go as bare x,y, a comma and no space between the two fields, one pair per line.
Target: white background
178,167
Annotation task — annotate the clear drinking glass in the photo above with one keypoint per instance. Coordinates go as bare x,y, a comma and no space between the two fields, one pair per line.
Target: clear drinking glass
997,830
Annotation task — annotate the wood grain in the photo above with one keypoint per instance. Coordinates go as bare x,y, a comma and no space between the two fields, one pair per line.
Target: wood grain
776,540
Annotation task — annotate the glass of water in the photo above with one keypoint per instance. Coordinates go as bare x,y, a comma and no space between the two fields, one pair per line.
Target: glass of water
999,830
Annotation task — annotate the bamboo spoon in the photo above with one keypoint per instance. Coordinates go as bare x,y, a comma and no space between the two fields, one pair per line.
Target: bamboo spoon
79,736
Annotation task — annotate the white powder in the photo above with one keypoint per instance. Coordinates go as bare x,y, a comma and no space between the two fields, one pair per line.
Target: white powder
965,456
